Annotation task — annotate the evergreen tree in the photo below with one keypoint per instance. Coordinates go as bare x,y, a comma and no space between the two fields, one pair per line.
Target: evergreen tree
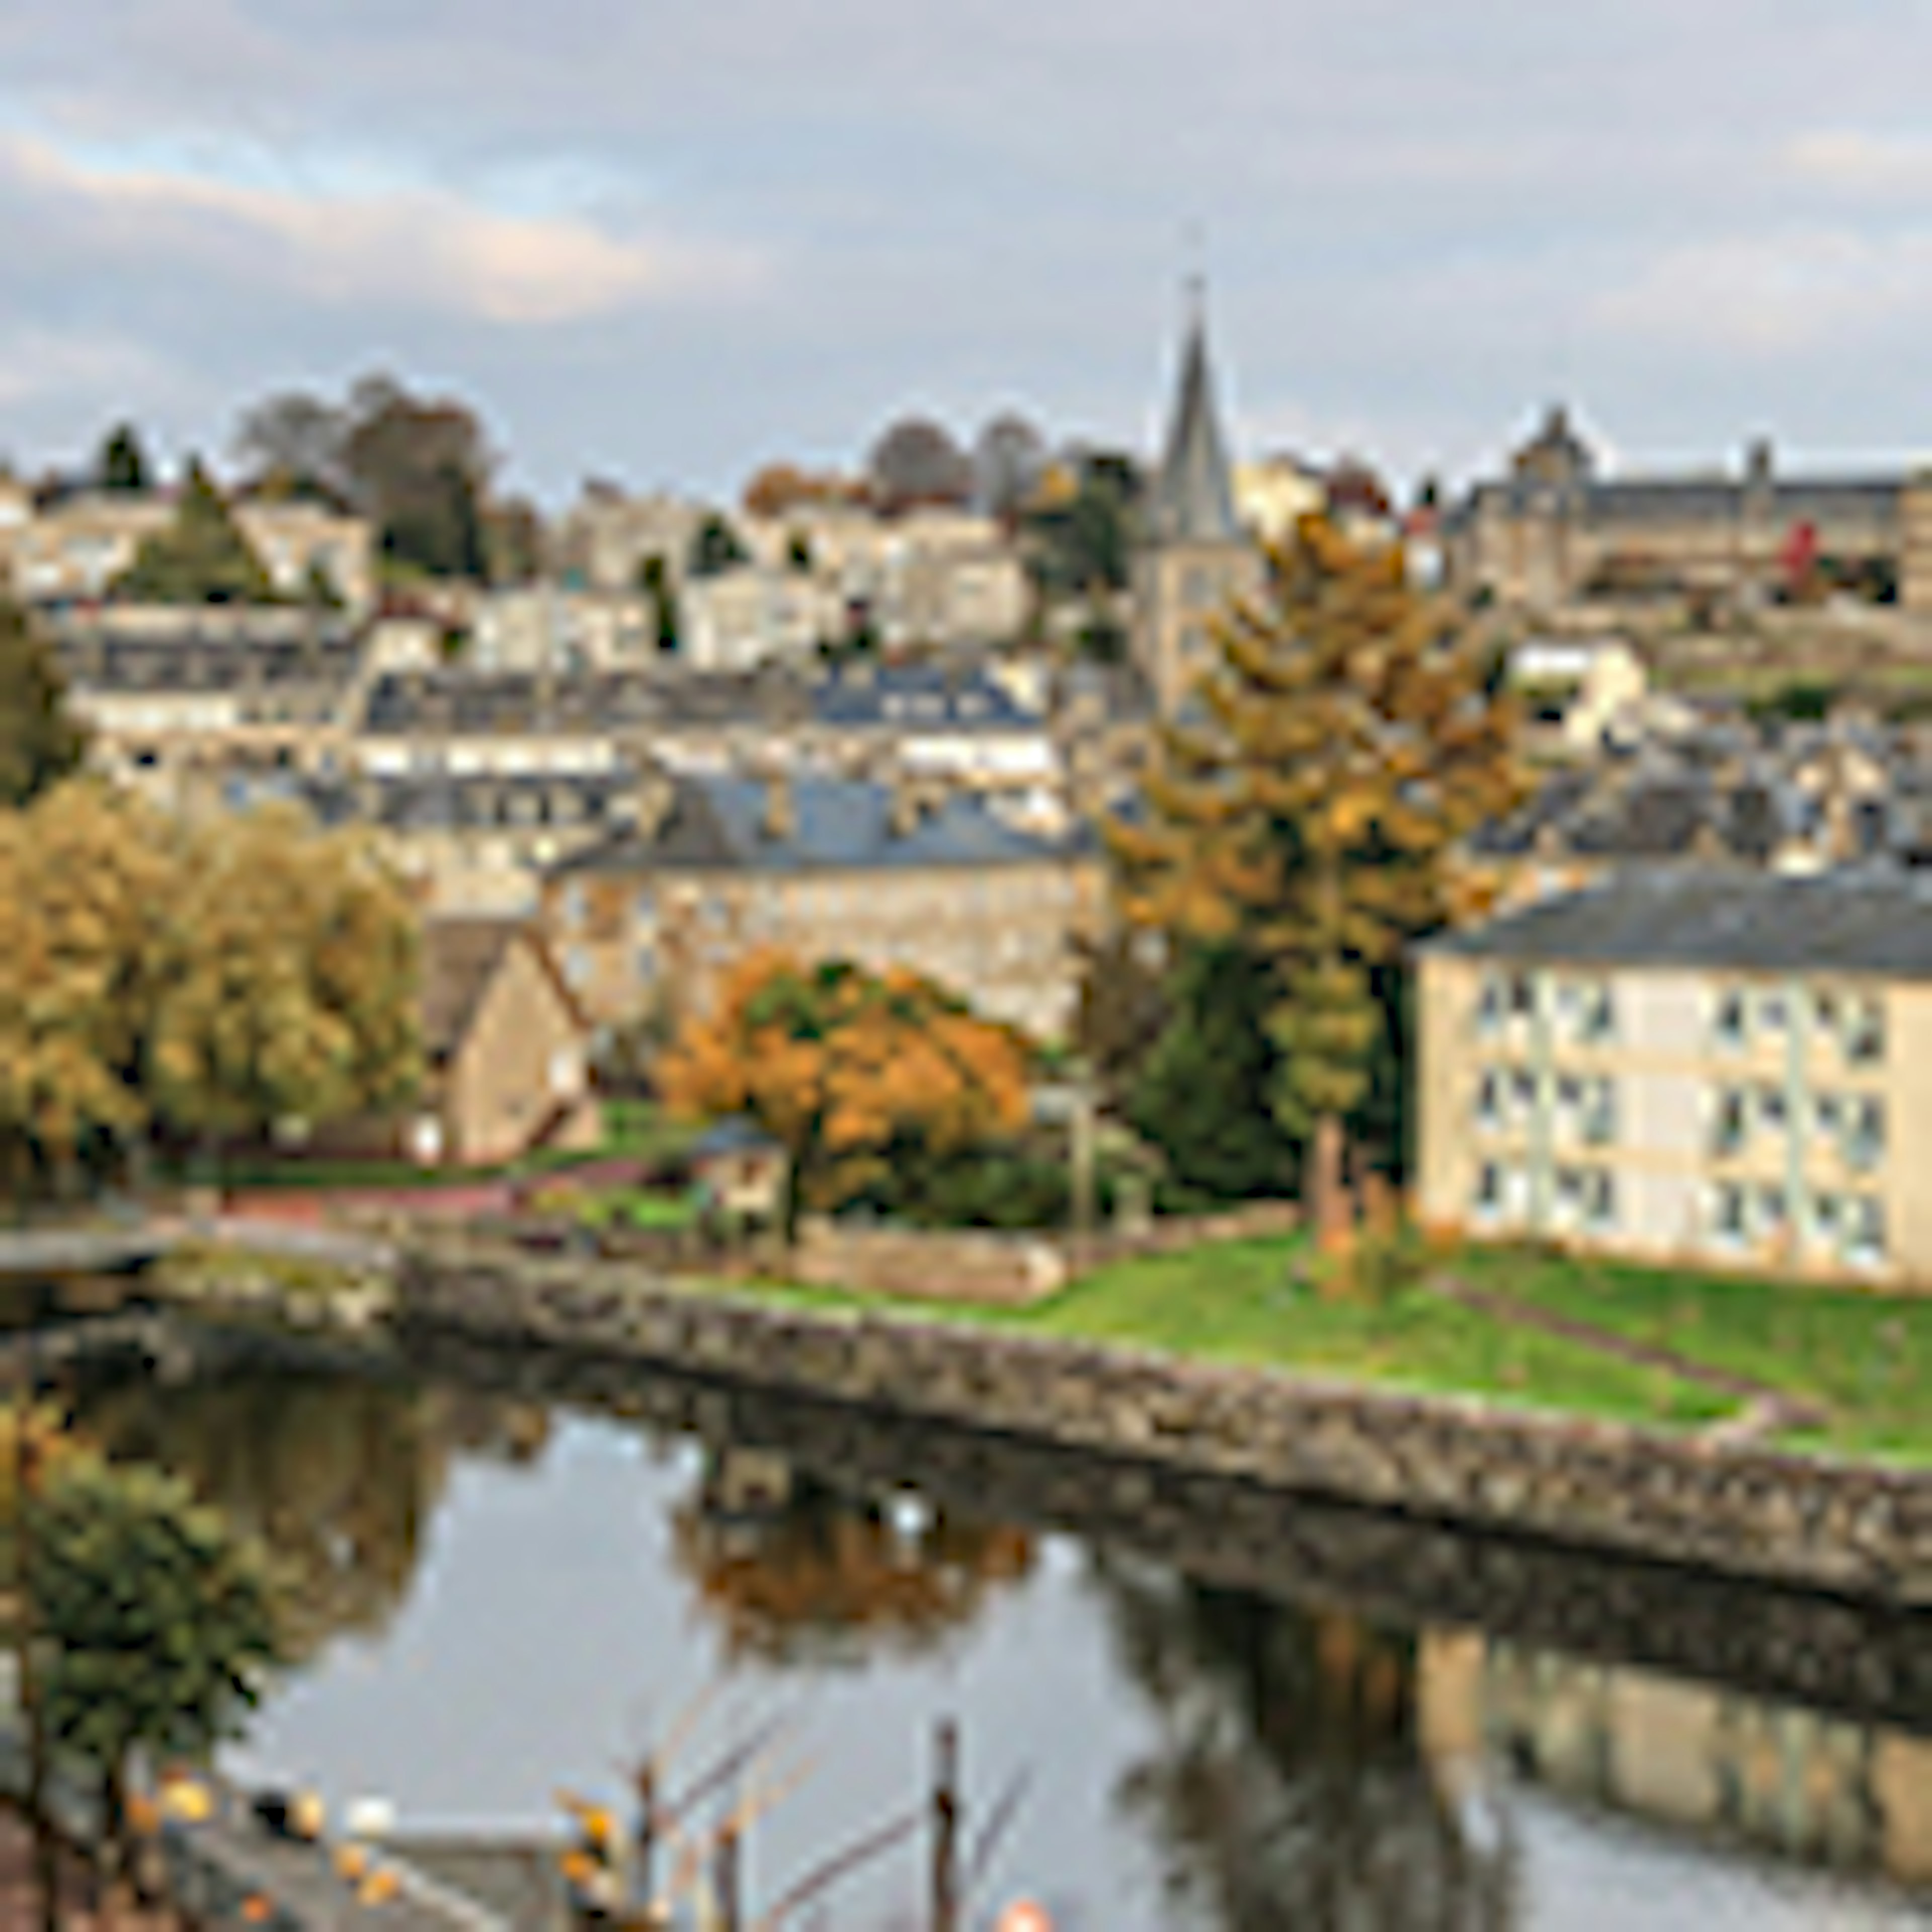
201,557
715,549
39,741
123,464
1204,1094
1308,808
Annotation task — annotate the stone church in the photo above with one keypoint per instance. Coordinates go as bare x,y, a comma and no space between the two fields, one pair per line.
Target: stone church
1195,558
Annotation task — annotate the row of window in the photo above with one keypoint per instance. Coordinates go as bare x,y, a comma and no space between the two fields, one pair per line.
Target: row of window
1737,1217
1851,1124
1583,1011
1583,1108
1855,1021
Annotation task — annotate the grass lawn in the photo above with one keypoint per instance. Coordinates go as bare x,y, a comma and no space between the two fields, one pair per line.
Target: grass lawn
1868,1358
1236,1301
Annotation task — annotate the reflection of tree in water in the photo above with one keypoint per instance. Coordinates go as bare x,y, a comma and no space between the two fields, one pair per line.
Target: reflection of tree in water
338,1476
1287,1790
791,1567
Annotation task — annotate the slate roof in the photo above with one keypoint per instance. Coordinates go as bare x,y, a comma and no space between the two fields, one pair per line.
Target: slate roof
193,662
455,802
910,697
1854,921
1193,499
718,822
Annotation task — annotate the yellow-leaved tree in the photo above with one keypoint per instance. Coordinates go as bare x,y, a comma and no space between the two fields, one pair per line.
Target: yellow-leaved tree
840,1065
291,994
1308,810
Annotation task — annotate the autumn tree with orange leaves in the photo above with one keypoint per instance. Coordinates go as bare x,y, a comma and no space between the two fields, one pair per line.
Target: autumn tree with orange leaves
846,1068
1308,810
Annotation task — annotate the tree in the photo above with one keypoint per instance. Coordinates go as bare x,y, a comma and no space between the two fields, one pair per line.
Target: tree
1084,545
1204,1091
291,990
295,441
122,464
915,461
654,580
157,1622
420,470
201,557
1346,745
1009,457
842,1067
715,548
89,878
41,743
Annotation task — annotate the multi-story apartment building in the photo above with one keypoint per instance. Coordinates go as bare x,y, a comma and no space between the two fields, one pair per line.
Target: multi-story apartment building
1726,1067
915,875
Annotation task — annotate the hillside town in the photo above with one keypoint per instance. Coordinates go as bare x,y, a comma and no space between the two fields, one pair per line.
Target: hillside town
1446,984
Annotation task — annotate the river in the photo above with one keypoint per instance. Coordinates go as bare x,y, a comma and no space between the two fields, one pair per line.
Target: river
503,1596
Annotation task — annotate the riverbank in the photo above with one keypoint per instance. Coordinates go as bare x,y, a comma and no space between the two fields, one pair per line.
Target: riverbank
1730,1507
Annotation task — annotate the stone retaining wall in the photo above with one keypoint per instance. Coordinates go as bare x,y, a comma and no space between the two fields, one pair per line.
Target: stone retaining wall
1724,1506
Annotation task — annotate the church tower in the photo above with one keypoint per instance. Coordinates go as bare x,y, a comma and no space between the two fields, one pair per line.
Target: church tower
1195,559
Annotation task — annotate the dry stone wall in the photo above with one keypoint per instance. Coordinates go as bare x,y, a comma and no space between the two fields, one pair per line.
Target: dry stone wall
1724,1506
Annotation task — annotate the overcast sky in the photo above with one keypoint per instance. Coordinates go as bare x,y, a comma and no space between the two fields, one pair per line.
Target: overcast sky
664,243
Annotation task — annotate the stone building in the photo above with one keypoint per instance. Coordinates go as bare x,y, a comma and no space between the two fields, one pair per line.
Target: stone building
190,707
507,1048
1684,1065
1556,531
1196,558
916,875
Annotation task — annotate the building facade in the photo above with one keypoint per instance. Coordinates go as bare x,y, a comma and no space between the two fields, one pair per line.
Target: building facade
916,876
1683,1066
1555,531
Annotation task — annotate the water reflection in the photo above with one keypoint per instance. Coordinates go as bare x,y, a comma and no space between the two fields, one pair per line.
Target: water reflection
1288,1790
792,1569
339,1477
1241,1763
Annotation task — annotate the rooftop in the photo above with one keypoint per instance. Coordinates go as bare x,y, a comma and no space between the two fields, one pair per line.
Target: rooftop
1852,921
726,822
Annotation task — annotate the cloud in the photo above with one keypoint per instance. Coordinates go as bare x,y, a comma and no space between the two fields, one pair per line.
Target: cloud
1863,162
418,246
1786,292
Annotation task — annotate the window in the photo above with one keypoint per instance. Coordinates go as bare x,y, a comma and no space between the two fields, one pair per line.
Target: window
1774,1011
1864,1230
1491,1188
1600,1113
1490,1100
1599,1199
1862,1144
1863,1035
1491,1006
1770,1213
1731,1024
1732,1128
1729,1222
573,905
644,906
1772,1112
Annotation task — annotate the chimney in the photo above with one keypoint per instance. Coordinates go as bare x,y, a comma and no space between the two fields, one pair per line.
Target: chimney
657,790
780,823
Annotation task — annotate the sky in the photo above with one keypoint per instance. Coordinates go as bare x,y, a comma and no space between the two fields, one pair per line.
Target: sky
664,244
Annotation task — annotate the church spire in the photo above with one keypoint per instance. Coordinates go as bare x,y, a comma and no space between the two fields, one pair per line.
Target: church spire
1193,496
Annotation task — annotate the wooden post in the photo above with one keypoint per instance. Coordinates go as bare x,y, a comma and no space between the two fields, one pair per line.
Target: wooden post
725,1880
945,1829
643,1876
